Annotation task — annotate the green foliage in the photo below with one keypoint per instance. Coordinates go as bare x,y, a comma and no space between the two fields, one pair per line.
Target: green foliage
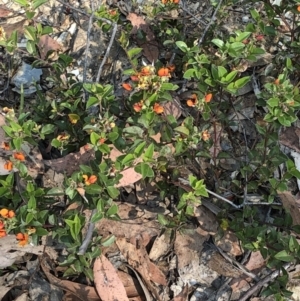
152,140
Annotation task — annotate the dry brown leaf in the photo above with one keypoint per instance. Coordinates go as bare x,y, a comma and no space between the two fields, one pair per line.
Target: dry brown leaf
4,12
139,260
289,202
150,47
220,265
183,295
289,137
108,284
81,291
161,246
46,44
255,263
172,108
18,26
230,243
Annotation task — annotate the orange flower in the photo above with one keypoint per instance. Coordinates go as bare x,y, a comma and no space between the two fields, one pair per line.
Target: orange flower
157,108
163,72
11,214
8,165
298,8
102,140
171,67
23,239
2,233
192,101
86,147
4,212
112,12
5,146
276,81
138,106
176,1
134,78
164,1
1,225
19,156
89,180
7,213
127,86
208,97
205,135
147,70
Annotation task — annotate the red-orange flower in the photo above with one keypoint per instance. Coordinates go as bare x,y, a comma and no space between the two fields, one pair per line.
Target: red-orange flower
2,233
298,8
23,239
8,165
138,106
158,109
5,146
276,81
1,225
102,140
171,67
134,78
208,97
163,72
89,180
127,86
11,214
259,37
7,213
192,101
19,156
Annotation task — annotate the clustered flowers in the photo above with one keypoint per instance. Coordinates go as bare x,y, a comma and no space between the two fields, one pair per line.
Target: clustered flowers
18,156
7,221
148,79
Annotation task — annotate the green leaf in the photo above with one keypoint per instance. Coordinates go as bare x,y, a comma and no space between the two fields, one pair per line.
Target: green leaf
30,47
149,152
243,36
134,51
284,256
273,102
230,77
162,220
188,74
38,3
22,2
240,83
113,192
182,130
30,33
113,210
237,46
221,71
182,46
48,129
92,101
94,137
219,43
108,241
128,159
139,149
145,170
168,87
134,131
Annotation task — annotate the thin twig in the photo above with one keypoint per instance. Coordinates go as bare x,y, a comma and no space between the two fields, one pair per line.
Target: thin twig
209,24
264,281
88,236
107,52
